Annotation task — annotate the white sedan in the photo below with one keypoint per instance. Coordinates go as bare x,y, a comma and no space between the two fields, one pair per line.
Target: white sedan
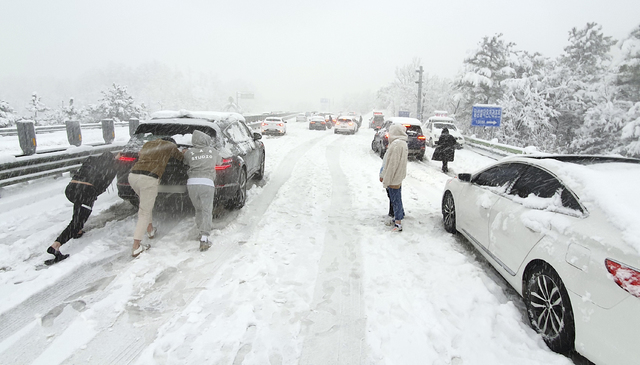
564,231
274,125
345,125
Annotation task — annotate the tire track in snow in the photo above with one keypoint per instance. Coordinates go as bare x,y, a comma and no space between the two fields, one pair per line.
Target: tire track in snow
335,327
137,327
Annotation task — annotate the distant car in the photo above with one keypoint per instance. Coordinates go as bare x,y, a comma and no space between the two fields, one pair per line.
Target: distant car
317,122
563,232
242,153
274,125
376,121
301,118
345,124
415,140
432,129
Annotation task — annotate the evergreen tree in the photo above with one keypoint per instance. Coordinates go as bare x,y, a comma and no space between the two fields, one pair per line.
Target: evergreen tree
7,117
628,76
117,103
484,70
576,83
36,106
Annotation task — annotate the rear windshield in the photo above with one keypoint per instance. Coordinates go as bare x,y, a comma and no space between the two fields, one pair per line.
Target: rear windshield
273,119
449,126
413,130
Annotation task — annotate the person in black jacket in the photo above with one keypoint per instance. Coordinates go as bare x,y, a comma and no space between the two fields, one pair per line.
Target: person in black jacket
445,150
92,179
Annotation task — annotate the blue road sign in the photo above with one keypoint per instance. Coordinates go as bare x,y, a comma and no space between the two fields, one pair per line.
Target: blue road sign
404,113
486,116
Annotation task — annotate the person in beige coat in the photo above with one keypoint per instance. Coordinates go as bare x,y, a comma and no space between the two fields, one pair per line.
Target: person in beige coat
144,179
394,170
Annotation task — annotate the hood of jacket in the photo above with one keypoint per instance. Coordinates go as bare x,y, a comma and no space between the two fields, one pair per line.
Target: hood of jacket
201,139
397,131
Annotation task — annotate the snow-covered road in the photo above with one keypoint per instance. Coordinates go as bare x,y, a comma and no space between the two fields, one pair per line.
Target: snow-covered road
306,273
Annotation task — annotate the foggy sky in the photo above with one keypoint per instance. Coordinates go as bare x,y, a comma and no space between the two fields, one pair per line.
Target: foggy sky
288,51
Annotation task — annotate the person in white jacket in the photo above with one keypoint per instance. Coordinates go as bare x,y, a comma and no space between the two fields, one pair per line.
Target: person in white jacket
394,170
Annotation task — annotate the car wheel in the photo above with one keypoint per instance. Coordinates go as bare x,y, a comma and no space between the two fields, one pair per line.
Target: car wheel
373,145
420,156
549,308
260,174
449,213
241,194
335,131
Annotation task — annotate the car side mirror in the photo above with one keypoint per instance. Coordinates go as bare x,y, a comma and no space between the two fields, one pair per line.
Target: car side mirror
464,177
257,136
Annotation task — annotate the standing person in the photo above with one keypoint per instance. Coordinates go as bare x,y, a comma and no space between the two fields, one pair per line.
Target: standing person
202,159
394,170
446,149
92,179
144,179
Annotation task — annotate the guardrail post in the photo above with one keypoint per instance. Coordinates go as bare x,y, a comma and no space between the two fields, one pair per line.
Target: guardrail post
74,133
133,125
27,136
108,131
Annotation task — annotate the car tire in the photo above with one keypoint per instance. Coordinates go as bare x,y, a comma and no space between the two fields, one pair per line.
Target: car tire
449,213
241,194
420,156
373,145
549,308
335,131
260,174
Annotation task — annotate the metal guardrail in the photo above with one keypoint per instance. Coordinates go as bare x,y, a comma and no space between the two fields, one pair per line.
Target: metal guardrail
13,131
495,148
33,167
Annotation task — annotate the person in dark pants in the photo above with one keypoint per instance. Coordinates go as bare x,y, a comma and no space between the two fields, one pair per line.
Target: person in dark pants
92,179
445,150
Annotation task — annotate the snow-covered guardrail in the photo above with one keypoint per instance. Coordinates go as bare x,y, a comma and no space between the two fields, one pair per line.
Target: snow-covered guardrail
494,147
12,131
14,170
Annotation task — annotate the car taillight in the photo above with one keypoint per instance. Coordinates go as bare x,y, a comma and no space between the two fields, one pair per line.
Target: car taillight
422,137
407,125
337,123
280,124
626,277
226,163
263,124
127,159
386,135
350,123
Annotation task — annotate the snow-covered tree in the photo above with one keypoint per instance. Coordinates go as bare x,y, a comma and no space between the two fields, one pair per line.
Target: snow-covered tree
117,103
36,106
628,75
402,93
484,70
578,82
7,117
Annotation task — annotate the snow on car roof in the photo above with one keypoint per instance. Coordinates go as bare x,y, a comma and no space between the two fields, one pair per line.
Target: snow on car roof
441,119
206,115
404,120
602,182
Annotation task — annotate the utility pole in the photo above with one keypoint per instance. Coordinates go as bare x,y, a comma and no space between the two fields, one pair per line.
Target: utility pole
419,82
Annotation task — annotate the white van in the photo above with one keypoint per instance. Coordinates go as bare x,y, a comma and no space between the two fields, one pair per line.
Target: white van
432,128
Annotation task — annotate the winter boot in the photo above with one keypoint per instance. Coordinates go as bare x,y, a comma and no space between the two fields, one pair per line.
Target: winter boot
58,256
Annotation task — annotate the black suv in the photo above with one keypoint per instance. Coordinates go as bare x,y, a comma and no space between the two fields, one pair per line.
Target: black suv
415,140
242,153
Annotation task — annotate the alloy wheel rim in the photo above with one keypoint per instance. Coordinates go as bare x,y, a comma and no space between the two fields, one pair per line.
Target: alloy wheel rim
449,211
547,308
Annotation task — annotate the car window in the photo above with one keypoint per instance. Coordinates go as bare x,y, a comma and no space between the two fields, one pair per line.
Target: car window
413,130
537,182
236,133
499,176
